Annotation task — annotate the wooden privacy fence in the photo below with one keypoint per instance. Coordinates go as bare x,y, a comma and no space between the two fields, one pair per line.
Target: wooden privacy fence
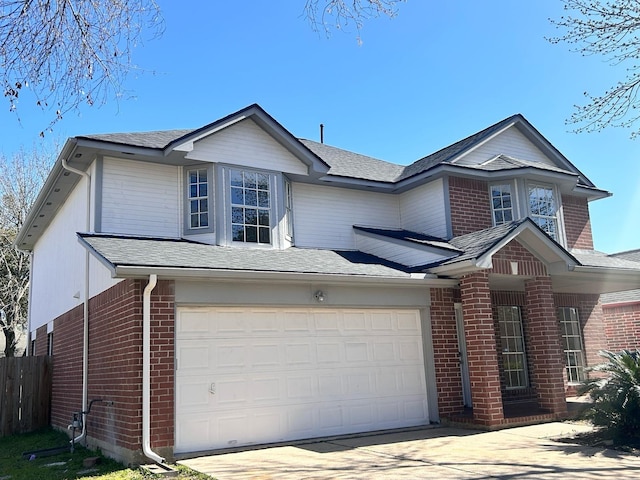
25,394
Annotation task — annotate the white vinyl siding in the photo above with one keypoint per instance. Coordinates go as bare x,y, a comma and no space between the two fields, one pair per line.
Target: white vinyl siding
246,144
510,142
58,264
422,209
324,216
141,198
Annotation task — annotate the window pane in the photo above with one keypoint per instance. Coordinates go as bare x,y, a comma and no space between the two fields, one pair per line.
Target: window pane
204,220
508,216
250,179
251,198
238,233
251,190
194,221
193,177
265,236
237,215
252,234
263,199
263,181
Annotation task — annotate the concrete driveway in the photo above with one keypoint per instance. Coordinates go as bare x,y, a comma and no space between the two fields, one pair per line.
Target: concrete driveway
442,453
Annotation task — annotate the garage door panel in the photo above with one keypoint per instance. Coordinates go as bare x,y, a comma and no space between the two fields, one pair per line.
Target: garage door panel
283,374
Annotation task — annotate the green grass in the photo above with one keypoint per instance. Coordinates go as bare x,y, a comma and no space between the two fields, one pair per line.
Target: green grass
66,466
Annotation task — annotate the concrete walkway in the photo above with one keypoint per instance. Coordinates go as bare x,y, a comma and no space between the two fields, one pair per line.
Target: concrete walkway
439,453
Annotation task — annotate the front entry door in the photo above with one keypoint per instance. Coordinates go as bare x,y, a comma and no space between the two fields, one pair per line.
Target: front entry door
462,354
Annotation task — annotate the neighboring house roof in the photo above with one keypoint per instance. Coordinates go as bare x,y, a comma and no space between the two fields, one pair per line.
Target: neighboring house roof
629,296
125,255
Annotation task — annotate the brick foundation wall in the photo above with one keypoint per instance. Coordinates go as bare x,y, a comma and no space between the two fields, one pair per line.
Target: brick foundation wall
445,351
41,341
577,223
115,366
622,326
469,204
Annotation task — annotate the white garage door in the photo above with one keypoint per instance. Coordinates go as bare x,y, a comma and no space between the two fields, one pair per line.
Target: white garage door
258,375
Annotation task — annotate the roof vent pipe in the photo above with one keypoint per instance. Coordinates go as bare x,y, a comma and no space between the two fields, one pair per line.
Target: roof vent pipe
322,133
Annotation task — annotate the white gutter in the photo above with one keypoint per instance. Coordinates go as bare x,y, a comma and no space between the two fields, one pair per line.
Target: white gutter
146,370
85,333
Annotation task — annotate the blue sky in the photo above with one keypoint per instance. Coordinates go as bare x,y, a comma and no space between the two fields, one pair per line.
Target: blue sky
436,73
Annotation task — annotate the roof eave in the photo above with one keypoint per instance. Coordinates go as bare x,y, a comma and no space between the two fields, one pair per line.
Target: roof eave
135,271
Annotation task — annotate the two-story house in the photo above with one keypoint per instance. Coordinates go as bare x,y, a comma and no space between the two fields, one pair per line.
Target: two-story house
234,285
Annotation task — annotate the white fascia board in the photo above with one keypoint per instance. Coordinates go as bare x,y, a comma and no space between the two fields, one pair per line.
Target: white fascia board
458,268
427,280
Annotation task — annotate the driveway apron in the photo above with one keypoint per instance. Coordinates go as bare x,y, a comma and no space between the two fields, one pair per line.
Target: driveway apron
439,453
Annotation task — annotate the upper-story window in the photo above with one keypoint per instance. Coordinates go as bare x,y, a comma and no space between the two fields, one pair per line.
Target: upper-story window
543,209
250,206
501,204
288,209
198,206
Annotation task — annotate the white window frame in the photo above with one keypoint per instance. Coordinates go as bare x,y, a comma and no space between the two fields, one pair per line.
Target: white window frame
288,209
513,199
188,229
571,332
538,217
513,348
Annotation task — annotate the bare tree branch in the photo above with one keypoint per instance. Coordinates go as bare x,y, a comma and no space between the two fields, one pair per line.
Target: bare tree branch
69,52
340,14
20,180
611,30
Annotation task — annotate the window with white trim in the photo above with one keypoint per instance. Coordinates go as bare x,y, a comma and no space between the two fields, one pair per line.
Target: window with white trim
514,361
250,206
572,344
288,209
198,204
543,209
501,204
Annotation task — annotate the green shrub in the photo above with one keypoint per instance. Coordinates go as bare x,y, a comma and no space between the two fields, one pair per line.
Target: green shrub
615,392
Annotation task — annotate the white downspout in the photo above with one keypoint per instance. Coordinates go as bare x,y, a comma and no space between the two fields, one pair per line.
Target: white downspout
85,335
146,370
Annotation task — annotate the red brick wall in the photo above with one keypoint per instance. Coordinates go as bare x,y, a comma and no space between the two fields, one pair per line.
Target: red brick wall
515,252
481,353
66,388
577,223
469,204
544,347
115,365
41,341
622,326
445,351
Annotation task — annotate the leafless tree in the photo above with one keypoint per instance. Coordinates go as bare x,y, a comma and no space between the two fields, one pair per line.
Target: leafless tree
20,180
341,14
66,53
612,30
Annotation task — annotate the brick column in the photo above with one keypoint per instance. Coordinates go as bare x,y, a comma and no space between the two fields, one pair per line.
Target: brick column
481,349
544,347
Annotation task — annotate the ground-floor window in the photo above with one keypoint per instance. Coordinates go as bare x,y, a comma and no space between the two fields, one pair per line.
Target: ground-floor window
512,346
572,344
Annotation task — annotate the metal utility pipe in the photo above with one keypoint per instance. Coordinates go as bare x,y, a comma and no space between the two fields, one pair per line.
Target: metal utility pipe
146,370
85,335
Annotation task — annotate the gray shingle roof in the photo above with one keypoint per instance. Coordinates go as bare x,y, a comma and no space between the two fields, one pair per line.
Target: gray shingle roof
409,236
593,258
157,139
629,295
353,165
476,244
183,254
